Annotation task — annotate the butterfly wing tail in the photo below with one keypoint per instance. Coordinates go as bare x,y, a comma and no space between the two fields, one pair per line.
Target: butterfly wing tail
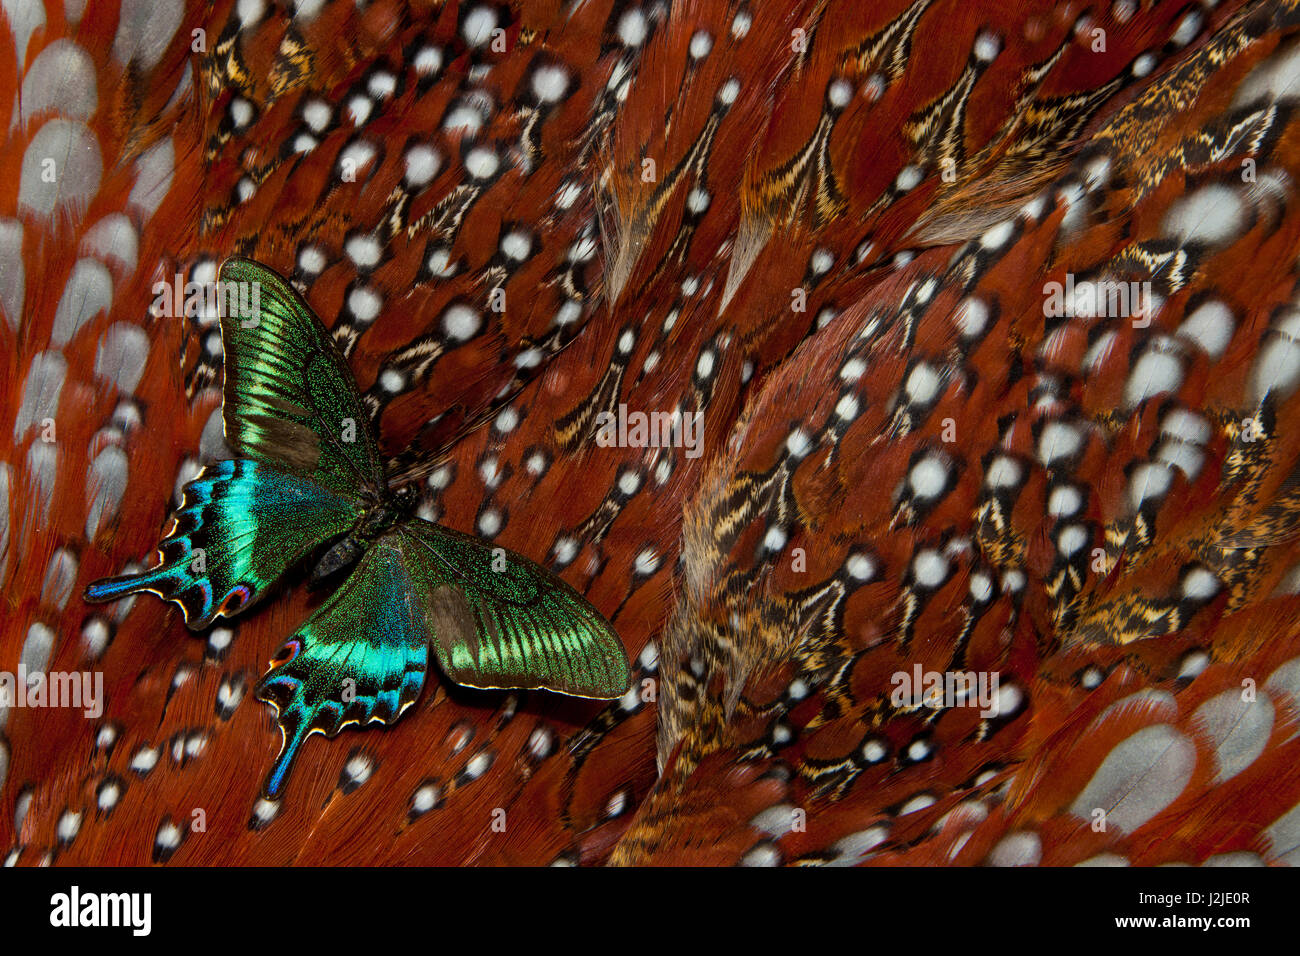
160,580
294,730
315,697
176,580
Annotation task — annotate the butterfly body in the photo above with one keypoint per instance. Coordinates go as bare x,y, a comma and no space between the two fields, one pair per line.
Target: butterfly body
379,516
310,482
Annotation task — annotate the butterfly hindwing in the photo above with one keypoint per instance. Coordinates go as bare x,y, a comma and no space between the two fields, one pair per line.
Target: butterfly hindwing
360,658
499,620
495,620
290,399
240,526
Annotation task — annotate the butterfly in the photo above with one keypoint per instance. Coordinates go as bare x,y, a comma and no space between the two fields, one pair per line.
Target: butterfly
309,488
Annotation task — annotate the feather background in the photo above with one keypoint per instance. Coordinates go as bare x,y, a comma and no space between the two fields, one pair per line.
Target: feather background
829,227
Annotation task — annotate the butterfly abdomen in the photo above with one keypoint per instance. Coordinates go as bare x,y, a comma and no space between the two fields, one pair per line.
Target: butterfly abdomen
345,552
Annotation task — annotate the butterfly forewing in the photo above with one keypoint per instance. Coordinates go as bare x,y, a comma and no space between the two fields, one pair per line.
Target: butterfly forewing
290,398
499,620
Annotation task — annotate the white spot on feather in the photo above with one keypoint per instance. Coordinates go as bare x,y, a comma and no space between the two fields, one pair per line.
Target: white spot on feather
701,45
1139,778
1021,848
632,28
1058,441
1212,215
422,164
482,162
928,477
1156,371
478,26
460,322
971,318
1238,729
930,568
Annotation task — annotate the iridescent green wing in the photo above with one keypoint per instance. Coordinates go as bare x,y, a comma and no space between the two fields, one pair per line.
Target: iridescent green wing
360,658
240,526
499,620
290,399
495,619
